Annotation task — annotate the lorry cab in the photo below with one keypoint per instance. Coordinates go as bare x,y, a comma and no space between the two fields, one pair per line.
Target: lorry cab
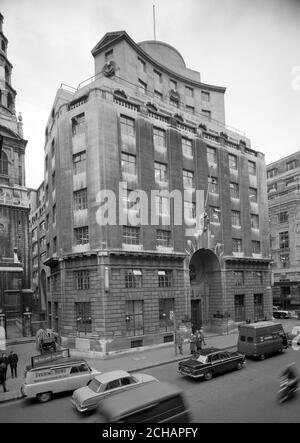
261,339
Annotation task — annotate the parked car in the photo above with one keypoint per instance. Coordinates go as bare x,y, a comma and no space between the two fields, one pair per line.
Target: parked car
210,362
280,313
88,397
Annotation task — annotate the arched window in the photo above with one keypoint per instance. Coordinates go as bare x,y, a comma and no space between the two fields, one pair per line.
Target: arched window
3,46
3,163
0,97
7,75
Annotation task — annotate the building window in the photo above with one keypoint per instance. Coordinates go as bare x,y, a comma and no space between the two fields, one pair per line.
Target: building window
128,163
252,167
79,162
159,138
190,109
160,172
189,210
54,214
239,308
206,114
189,92
237,245
256,247
134,317
253,194
127,126
205,96
211,155
164,278
284,259
258,307
142,86
188,179
78,124
82,279
272,187
166,314
43,242
283,217
47,222
158,95
238,278
173,84
258,277
81,235
133,278
162,206
131,235
83,312
283,240
80,199
157,76
272,173
234,190
142,65
3,163
109,55
213,185
54,245
290,181
291,165
53,181
187,147
232,161
163,238
214,214
174,102
254,221
235,218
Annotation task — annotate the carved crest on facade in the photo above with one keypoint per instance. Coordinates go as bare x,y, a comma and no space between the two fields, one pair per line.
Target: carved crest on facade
109,69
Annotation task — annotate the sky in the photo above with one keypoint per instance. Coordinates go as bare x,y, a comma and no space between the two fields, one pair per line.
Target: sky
252,47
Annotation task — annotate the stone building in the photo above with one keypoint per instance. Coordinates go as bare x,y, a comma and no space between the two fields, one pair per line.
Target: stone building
14,201
146,122
283,181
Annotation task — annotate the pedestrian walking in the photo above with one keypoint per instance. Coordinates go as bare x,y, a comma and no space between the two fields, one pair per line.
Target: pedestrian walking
179,342
199,339
4,360
2,375
192,343
13,362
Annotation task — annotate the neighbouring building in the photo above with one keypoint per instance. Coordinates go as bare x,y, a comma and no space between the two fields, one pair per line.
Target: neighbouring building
283,181
15,291
146,122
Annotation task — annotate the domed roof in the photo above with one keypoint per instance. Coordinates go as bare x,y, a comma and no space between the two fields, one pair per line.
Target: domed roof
164,53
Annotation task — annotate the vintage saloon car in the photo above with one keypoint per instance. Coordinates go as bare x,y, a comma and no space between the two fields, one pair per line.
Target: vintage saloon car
210,362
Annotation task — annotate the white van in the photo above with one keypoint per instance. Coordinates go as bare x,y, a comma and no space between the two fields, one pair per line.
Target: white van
43,379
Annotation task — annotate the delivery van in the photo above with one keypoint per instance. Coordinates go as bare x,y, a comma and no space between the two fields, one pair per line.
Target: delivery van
45,378
153,402
261,339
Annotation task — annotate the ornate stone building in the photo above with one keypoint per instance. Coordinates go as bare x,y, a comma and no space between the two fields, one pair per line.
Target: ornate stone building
14,201
147,122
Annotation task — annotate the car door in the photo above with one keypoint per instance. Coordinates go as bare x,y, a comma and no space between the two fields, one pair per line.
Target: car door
112,387
227,362
216,363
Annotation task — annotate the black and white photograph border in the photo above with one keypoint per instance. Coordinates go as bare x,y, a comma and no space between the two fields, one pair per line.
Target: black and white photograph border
149,214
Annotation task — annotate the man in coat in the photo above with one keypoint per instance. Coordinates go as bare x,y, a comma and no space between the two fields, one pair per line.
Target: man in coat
13,362
4,360
2,375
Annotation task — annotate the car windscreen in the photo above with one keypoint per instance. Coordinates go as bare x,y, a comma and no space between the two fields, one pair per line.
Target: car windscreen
95,385
202,358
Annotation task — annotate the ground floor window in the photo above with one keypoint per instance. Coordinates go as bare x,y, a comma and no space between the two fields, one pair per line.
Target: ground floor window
258,307
134,317
83,317
239,307
166,314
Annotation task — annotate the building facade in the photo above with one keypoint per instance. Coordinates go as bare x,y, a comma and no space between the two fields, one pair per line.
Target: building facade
146,123
283,180
14,201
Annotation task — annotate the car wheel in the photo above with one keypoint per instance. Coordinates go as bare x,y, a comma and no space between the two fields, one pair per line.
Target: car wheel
208,375
262,356
44,397
239,365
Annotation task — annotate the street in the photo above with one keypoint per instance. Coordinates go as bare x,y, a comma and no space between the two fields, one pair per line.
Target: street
242,396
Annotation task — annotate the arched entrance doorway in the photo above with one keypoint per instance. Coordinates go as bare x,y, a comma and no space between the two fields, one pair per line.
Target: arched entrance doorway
205,286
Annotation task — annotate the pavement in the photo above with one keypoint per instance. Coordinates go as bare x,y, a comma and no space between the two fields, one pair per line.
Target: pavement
132,360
